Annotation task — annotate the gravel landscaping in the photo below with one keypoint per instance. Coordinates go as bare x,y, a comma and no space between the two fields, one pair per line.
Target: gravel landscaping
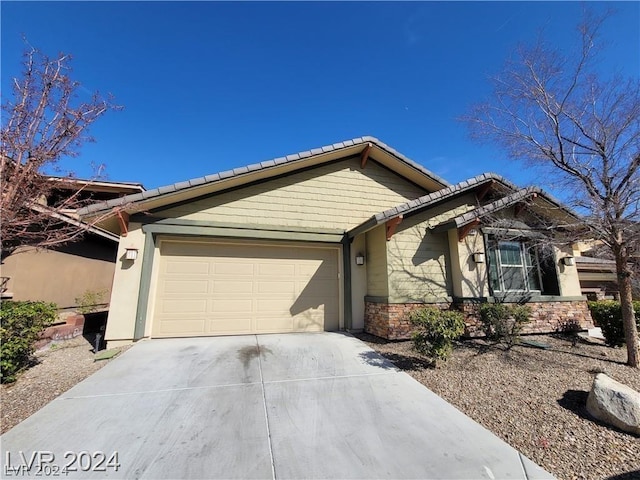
533,399
60,366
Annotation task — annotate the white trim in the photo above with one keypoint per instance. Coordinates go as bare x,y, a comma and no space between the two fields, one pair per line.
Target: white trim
522,266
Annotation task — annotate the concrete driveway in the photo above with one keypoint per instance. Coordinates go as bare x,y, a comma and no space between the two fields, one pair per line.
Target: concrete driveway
269,406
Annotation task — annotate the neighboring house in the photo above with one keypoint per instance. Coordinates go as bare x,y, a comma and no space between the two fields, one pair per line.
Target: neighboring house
63,273
598,278
348,236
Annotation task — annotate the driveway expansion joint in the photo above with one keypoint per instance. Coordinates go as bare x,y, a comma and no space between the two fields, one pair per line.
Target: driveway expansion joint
266,412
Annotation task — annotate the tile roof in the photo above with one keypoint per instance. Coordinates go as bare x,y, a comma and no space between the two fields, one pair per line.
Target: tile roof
504,202
209,179
431,200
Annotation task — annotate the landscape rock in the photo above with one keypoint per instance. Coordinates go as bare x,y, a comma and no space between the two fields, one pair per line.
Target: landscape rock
614,403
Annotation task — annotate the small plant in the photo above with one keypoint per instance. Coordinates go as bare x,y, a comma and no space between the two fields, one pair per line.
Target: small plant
504,323
435,331
569,327
90,300
607,314
20,326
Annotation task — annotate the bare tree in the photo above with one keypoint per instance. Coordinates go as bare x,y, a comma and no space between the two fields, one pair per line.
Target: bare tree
555,110
43,122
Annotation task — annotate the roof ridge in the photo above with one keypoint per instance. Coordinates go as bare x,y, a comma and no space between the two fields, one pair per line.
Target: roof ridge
238,171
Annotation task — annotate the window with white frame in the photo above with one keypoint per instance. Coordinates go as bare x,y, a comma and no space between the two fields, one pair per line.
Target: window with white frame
514,267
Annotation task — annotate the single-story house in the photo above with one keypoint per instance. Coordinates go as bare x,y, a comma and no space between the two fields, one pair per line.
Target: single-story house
64,273
347,236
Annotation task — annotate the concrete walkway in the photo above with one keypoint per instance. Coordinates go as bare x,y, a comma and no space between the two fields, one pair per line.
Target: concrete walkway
270,406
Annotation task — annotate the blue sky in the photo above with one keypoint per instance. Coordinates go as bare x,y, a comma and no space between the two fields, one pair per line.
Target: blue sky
208,86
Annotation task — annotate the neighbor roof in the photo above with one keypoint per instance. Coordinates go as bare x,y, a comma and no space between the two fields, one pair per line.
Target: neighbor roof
99,185
78,223
349,147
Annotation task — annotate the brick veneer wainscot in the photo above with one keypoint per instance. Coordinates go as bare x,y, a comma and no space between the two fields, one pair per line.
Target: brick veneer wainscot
390,320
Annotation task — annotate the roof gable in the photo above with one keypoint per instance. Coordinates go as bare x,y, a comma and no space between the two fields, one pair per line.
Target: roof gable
486,180
335,195
533,199
538,201
197,187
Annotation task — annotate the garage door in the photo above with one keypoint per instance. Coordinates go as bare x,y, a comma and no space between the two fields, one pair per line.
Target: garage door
224,289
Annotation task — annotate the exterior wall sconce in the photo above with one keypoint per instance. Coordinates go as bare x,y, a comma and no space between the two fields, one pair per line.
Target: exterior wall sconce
131,253
569,261
359,259
478,257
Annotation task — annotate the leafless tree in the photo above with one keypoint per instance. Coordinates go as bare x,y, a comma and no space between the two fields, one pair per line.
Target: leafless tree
45,120
557,111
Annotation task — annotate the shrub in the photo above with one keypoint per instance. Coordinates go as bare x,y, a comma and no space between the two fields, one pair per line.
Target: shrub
89,301
502,322
607,314
569,327
20,326
436,330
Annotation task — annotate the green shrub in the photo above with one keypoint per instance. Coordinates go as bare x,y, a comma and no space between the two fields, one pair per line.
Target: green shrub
607,314
436,330
20,325
504,323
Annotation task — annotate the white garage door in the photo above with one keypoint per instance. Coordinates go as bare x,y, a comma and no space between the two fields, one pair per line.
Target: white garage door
224,289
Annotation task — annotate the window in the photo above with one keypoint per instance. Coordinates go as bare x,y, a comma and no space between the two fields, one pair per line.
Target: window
513,267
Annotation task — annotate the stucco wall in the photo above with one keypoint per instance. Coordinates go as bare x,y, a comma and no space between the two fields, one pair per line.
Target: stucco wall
126,283
63,274
468,277
338,195
567,275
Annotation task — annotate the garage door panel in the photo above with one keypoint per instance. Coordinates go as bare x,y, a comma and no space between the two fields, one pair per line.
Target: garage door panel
274,306
310,321
276,270
184,306
231,287
318,270
230,325
235,269
186,286
230,305
178,267
184,326
216,289
277,287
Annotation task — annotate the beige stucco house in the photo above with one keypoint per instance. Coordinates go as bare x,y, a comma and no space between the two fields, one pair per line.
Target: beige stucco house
64,273
347,236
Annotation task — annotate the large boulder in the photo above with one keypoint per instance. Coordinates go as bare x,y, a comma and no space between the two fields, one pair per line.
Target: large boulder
614,403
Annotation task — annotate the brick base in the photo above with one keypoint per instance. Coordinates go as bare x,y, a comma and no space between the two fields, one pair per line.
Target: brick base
73,327
390,320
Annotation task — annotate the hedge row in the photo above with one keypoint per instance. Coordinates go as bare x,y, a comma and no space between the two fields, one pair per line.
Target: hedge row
607,314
